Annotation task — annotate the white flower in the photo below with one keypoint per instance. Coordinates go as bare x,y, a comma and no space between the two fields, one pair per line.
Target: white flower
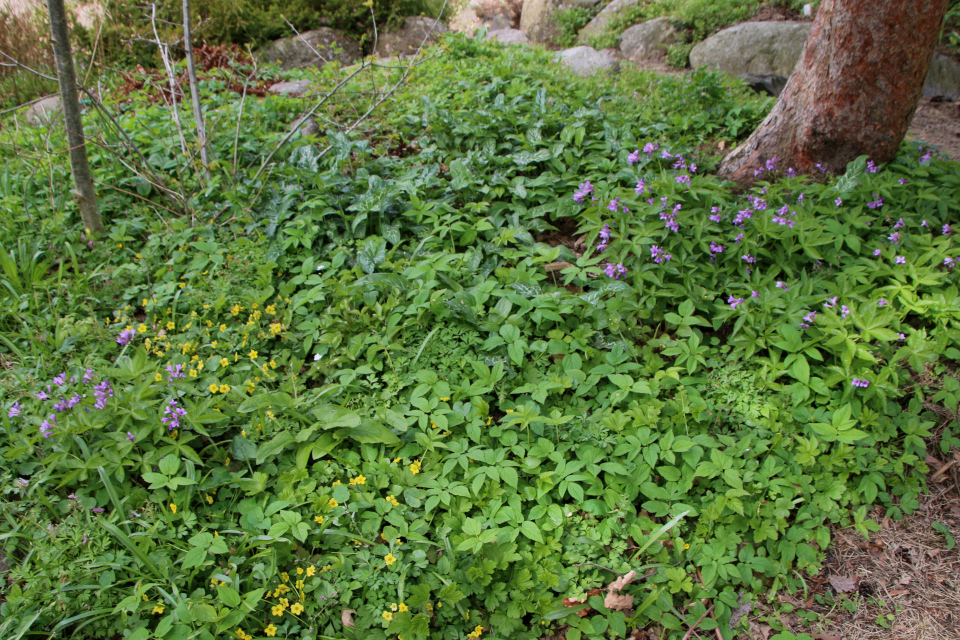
317,357
320,268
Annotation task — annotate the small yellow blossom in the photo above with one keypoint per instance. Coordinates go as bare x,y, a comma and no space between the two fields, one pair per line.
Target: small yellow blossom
157,377
311,570
214,581
299,571
182,285
444,399
253,355
173,508
209,499
333,503
270,631
171,325
158,609
224,388
213,388
686,546
358,480
193,373
142,328
296,609
387,616
396,460
243,432
433,424
403,608
273,364
224,362
285,577
393,500
389,559
509,410
223,327
415,467
299,585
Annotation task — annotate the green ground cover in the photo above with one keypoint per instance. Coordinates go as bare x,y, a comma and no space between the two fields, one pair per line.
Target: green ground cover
349,399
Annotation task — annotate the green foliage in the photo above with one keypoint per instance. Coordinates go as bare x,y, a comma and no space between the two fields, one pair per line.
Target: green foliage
396,376
569,21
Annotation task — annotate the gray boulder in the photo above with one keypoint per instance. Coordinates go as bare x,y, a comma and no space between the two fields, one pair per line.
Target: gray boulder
306,125
769,83
499,22
648,40
538,21
407,40
293,89
753,47
312,49
43,111
943,78
602,20
586,61
509,36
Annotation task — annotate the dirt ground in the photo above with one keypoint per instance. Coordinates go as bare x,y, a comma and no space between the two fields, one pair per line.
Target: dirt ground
901,584
937,123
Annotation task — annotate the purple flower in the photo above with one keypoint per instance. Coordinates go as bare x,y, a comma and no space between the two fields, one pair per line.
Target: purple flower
750,259
743,214
61,379
14,410
650,147
791,173
173,414
738,238
716,248
844,311
901,337
831,302
871,168
754,294
948,262
102,391
924,224
614,205
821,167
693,168
634,157
639,189
894,237
901,260
900,224
130,436
666,155
810,317
61,405
946,230
876,204
47,425
925,157
734,302
882,303
903,181
176,371
782,285
856,382
683,179
97,509
659,255
877,252
88,375
585,189
125,337
771,164
73,401
614,270
838,202
757,203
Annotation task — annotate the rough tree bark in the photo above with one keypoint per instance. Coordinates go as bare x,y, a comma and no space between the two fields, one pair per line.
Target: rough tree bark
83,179
853,91
195,93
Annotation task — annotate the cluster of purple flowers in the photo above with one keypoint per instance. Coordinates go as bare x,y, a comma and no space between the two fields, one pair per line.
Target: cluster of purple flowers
769,165
831,302
871,167
925,157
659,255
683,179
948,262
947,230
734,302
671,218
716,248
739,238
857,382
876,204
844,311
614,270
715,214
808,320
750,259
743,214
782,285
585,189
173,413
102,391
125,337
176,370
634,157
640,188
604,238
894,237
901,260
781,218
14,410
650,147
900,224
46,427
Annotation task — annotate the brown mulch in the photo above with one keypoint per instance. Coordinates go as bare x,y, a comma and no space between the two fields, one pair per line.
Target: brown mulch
901,584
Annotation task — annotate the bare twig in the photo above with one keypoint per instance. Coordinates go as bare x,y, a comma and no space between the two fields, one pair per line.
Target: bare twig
195,93
171,78
16,63
243,98
696,624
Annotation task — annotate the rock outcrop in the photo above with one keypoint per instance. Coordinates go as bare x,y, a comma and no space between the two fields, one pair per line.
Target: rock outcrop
315,48
753,47
416,30
648,40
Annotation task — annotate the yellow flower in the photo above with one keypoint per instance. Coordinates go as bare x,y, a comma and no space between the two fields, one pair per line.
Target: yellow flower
193,373
311,570
243,432
271,309
433,424
358,480
213,388
276,328
403,608
296,609
396,460
171,325
224,388
686,546
298,584
173,507
393,607
158,609
224,362
209,499
386,616
333,503
299,571
389,559
270,415
286,578
273,364
444,399
270,631
157,377
336,482
253,355
142,328
509,410
223,327
182,285
415,467
393,500
214,581
236,309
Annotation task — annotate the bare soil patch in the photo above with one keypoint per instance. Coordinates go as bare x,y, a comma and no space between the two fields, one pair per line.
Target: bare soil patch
937,123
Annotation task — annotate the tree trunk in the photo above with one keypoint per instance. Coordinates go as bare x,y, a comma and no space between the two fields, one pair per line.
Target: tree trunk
85,194
853,92
195,93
